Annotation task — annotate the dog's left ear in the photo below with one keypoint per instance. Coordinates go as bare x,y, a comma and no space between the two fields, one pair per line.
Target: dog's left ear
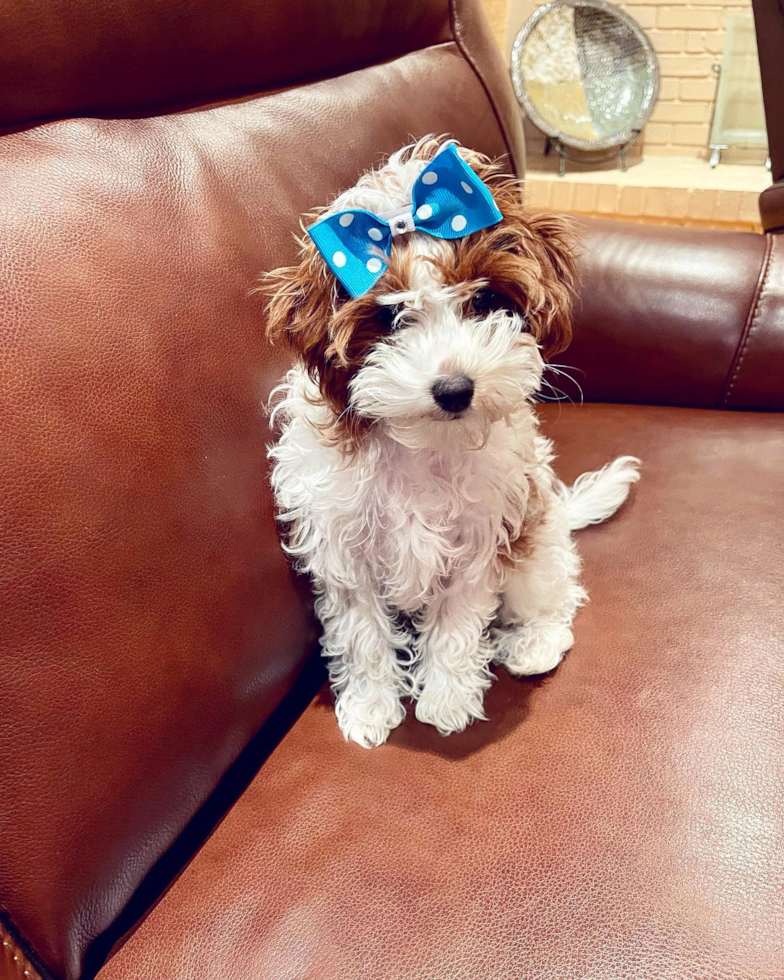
534,253
542,279
553,243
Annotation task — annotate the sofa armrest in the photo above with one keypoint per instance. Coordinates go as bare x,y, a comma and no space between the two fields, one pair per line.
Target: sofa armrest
769,24
679,316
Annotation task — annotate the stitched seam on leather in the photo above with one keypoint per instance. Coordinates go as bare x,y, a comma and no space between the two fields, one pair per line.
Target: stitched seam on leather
752,321
456,33
13,958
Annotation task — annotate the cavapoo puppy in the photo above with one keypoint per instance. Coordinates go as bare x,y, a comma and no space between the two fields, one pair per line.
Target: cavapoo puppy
417,490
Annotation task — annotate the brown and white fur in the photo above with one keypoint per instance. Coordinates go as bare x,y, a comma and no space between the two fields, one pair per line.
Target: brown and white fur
437,540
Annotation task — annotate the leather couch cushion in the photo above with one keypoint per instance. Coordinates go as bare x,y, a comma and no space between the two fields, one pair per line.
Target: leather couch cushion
150,622
618,819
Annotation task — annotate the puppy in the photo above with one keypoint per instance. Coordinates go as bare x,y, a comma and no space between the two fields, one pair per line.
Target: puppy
417,490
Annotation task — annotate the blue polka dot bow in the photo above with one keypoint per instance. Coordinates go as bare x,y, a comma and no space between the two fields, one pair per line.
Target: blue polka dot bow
449,201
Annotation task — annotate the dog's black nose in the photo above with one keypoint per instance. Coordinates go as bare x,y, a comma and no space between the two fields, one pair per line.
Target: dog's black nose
453,394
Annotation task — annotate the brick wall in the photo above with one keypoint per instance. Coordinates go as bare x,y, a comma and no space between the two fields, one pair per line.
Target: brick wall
497,12
688,36
689,40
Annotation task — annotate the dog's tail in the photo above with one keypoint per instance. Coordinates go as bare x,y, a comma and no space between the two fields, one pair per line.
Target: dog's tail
597,495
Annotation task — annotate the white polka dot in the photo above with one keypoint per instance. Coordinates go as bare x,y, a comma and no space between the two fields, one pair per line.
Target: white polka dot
459,222
466,187
339,259
375,234
373,265
346,219
424,211
430,177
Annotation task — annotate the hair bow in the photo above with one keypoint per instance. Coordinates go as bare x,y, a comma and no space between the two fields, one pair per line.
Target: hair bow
449,201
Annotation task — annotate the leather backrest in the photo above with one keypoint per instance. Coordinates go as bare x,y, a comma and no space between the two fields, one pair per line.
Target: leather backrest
76,57
150,625
676,316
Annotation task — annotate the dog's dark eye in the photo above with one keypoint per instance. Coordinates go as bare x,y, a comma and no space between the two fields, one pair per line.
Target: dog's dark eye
386,315
487,301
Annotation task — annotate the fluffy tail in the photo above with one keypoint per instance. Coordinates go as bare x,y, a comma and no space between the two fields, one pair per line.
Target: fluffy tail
596,496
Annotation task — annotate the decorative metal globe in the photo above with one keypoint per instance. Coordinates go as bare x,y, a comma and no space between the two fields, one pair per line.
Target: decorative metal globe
585,73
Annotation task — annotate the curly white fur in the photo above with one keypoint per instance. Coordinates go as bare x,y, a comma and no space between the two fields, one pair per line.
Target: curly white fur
411,541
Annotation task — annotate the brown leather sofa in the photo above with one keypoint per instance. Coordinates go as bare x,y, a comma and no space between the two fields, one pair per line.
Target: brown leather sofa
175,799
769,22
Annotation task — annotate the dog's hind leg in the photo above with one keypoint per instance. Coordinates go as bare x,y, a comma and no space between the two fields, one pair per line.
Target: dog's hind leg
542,592
540,597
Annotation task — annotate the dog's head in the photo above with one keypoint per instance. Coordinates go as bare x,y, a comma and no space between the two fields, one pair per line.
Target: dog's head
453,336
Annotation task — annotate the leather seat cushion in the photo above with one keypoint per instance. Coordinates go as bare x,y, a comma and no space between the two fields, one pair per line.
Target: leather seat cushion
619,818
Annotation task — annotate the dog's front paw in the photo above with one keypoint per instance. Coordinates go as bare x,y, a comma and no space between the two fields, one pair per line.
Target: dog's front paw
533,649
368,716
451,702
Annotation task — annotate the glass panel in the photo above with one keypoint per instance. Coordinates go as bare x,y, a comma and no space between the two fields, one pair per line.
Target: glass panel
739,117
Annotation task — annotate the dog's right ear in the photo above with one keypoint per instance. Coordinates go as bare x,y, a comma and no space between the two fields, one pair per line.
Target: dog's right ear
302,300
308,311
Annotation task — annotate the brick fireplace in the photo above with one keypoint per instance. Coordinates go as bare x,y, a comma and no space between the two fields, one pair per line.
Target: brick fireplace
670,180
